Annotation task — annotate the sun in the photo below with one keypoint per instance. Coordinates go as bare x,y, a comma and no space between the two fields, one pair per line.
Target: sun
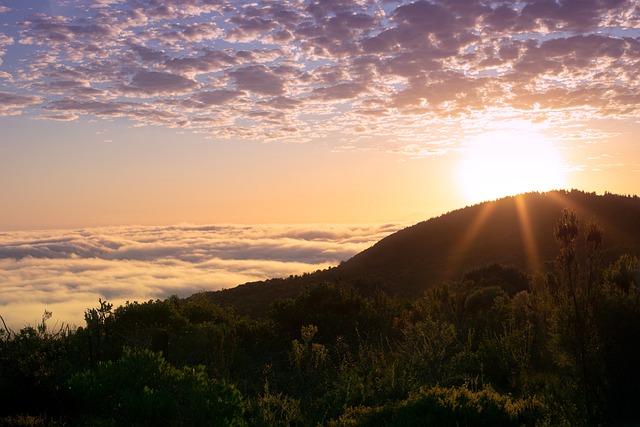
504,163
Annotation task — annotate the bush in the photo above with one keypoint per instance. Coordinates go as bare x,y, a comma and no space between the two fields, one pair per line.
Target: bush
449,406
142,389
34,362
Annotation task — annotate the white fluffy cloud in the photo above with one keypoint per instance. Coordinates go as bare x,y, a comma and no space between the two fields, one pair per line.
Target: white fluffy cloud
67,271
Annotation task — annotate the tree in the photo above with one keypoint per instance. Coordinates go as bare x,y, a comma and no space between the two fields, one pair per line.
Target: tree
576,334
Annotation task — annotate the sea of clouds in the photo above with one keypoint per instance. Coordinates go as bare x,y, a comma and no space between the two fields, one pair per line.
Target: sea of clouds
67,271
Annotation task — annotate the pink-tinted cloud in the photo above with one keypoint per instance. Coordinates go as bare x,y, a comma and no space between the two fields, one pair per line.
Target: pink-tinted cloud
13,103
4,41
156,83
216,97
258,79
271,69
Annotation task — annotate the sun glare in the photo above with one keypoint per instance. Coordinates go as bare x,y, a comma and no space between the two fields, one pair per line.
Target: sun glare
504,163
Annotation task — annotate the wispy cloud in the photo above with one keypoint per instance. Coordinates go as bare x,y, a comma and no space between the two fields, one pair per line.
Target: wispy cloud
67,271
293,70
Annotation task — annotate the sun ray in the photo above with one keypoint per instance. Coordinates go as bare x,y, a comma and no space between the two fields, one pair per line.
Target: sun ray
532,256
460,250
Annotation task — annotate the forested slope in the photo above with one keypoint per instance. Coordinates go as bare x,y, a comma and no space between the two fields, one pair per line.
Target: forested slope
513,230
442,248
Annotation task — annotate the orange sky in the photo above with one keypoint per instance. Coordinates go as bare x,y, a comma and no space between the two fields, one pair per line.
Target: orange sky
121,112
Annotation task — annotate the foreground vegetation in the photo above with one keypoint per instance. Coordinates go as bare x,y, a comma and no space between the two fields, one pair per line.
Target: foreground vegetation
497,348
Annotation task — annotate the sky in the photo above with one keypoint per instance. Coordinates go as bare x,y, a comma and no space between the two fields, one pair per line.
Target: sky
118,112
151,114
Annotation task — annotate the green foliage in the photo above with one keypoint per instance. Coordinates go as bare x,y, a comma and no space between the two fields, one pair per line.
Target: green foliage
142,389
616,319
199,309
446,406
34,363
506,356
99,333
486,308
273,409
461,406
307,357
25,421
211,344
338,309
279,409
576,344
507,277
426,354
364,416
366,376
623,273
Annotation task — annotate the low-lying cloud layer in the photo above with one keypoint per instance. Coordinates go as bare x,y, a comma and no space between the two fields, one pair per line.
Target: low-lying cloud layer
301,69
67,271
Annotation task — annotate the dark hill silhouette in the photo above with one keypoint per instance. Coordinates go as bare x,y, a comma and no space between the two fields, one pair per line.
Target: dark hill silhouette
516,230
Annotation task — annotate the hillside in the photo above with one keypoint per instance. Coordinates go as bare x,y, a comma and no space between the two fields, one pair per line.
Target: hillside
514,230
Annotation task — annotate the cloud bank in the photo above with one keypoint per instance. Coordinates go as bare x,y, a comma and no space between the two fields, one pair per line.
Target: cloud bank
67,271
296,70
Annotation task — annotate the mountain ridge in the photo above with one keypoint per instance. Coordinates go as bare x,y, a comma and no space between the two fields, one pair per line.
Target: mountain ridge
514,230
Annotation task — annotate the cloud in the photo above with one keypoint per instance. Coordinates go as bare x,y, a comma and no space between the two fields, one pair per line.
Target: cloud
199,32
340,91
81,106
206,62
56,30
5,40
294,69
215,97
248,28
258,79
155,82
62,117
12,103
67,271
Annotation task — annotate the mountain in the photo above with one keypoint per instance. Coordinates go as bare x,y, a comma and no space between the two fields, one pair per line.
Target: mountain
515,230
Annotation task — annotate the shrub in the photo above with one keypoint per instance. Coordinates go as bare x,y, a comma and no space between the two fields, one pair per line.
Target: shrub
33,363
449,406
142,389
